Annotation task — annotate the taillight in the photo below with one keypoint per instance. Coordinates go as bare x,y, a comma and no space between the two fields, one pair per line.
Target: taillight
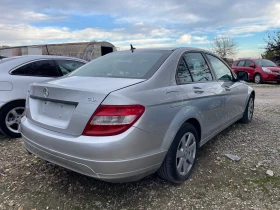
109,120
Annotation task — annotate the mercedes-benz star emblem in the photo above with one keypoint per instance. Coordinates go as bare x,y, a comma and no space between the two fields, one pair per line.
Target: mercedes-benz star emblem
46,92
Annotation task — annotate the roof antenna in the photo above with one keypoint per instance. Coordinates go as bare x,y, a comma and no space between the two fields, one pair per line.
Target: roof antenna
132,48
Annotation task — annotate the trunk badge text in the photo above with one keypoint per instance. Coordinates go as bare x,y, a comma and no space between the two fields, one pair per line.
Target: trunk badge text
92,100
46,92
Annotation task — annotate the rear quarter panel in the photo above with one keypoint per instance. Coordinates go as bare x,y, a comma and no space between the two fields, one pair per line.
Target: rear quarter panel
164,114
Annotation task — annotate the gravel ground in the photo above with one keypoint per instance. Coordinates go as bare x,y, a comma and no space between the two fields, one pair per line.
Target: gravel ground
27,182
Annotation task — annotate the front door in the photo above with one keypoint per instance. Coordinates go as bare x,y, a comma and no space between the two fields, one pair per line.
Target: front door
235,92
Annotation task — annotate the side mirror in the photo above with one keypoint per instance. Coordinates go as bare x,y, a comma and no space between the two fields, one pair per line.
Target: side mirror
242,75
252,66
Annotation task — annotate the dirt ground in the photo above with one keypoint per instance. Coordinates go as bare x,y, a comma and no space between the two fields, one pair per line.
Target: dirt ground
27,182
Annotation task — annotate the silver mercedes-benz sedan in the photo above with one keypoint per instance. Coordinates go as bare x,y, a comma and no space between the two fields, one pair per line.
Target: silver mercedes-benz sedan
131,113
17,73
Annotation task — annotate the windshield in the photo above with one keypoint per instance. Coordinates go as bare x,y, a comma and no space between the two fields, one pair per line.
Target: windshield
124,64
265,63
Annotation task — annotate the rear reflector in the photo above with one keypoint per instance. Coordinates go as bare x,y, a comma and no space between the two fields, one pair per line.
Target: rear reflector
109,120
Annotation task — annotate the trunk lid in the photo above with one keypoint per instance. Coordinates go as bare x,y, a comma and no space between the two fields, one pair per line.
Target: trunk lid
66,104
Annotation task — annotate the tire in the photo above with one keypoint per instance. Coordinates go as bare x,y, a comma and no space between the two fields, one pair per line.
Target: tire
249,111
176,160
258,79
278,82
11,113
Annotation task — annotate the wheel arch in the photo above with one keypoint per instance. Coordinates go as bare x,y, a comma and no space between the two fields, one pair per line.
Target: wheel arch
257,73
10,102
250,93
166,170
253,94
196,124
170,136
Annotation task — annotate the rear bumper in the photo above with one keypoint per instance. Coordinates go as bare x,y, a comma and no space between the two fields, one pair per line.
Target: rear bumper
80,154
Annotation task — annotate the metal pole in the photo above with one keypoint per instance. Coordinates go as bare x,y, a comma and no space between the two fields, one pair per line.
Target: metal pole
47,49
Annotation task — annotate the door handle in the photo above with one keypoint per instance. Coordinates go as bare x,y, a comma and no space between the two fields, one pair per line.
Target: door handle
227,88
198,90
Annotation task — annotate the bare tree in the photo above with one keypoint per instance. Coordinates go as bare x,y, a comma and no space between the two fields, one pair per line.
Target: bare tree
224,46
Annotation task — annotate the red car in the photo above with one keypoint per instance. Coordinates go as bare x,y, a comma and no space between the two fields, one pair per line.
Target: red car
259,70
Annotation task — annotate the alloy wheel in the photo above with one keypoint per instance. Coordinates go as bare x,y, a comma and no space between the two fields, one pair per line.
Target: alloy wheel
250,108
257,78
186,153
13,119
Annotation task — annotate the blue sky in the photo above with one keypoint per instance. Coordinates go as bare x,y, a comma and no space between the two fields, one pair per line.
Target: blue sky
157,23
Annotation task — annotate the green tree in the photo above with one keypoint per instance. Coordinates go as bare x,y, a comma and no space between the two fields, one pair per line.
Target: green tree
272,49
268,55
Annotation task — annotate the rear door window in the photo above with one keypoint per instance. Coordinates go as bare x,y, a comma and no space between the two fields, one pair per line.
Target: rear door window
67,66
183,75
248,63
235,63
241,63
198,67
43,68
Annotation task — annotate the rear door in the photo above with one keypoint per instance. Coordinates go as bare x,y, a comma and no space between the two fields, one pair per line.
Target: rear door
234,66
235,92
240,66
249,70
197,83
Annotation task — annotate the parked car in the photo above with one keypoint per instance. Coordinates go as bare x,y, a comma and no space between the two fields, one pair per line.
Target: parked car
131,113
259,70
16,74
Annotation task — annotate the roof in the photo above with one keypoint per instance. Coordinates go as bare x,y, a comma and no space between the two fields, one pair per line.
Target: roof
84,50
170,49
59,44
76,43
239,59
160,48
18,60
34,57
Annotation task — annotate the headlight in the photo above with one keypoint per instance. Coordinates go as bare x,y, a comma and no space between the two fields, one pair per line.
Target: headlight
266,70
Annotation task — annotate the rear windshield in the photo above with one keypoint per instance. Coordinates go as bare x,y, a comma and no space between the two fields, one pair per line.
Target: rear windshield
124,64
265,63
